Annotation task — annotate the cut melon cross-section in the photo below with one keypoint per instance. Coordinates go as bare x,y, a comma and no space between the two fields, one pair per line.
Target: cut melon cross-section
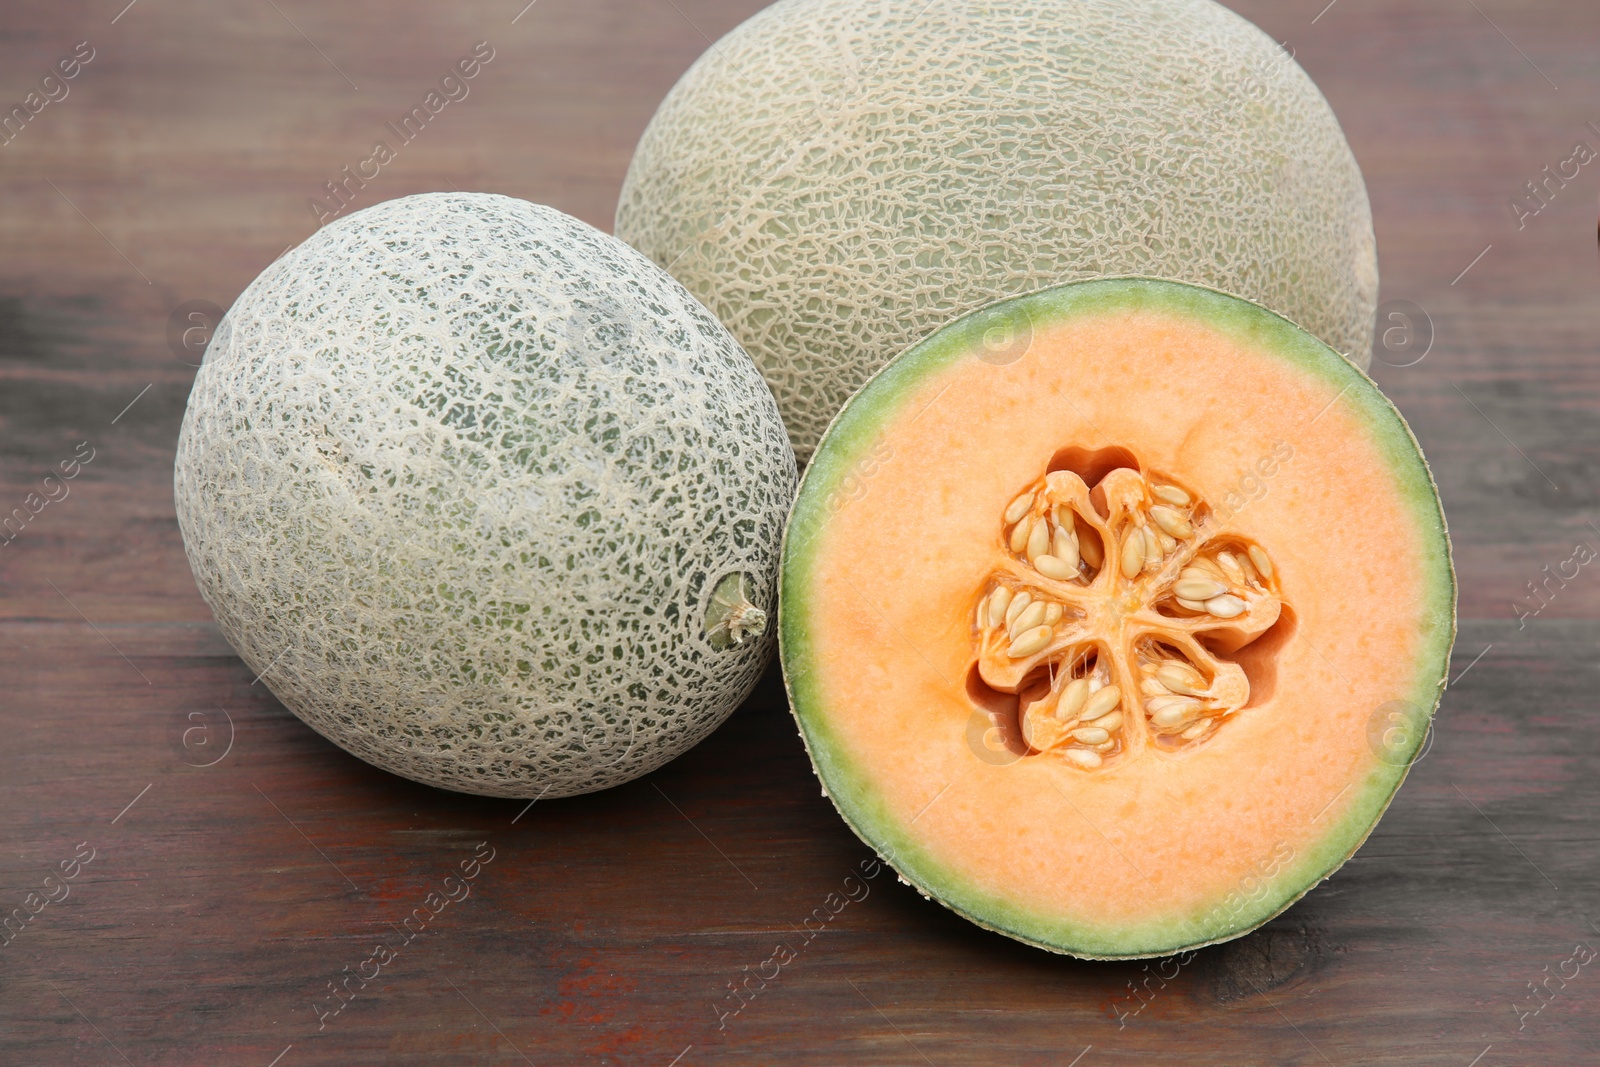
1113,615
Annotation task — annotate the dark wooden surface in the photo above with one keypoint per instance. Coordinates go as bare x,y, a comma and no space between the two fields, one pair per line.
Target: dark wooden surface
606,929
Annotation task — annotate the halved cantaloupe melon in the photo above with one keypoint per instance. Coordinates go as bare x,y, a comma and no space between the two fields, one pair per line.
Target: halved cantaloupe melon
1113,615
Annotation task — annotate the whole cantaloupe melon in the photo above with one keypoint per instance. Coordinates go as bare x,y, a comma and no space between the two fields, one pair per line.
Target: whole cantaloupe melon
836,179
485,497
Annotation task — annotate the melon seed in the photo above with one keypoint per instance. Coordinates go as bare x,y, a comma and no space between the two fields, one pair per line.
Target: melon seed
1199,729
1259,558
1019,507
1101,702
1019,602
1083,758
1038,539
1152,548
1029,642
998,602
1091,735
1065,548
1054,567
1170,494
1230,567
1133,553
1029,618
1174,715
1171,521
1019,535
1198,588
1053,613
1227,606
1246,567
1180,679
1072,699
1109,722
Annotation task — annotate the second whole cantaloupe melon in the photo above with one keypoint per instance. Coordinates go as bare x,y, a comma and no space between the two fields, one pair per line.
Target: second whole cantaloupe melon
836,179
485,498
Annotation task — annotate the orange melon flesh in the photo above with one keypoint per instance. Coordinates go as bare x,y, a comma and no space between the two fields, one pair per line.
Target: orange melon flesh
898,536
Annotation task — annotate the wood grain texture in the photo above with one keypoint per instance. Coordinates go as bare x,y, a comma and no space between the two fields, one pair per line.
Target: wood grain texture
606,929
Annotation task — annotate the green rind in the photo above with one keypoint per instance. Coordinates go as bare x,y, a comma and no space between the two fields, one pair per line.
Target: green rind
845,446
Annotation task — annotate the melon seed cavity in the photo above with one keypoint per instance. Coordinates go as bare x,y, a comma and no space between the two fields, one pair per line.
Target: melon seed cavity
1113,613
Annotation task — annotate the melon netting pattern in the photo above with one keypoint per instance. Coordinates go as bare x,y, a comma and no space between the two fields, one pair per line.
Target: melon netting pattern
459,474
838,178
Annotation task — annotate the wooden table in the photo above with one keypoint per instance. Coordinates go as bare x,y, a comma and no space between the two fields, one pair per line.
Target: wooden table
221,901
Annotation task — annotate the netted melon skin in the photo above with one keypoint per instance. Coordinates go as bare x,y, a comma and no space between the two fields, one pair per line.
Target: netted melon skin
838,178
458,476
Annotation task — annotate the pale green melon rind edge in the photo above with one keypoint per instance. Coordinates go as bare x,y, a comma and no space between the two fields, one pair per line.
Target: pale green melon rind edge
845,448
